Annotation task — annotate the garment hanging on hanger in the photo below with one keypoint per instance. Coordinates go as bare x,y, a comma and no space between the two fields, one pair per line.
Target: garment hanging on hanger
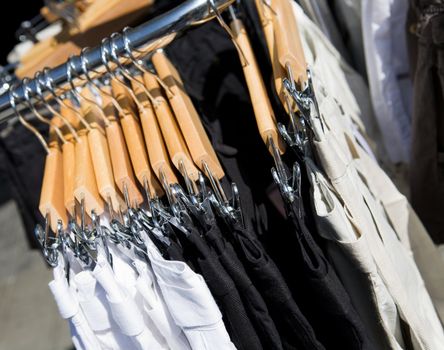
334,156
390,86
411,235
225,276
318,274
426,159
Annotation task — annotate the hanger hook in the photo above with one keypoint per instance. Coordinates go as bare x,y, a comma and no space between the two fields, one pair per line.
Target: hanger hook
49,83
12,100
84,64
126,73
26,90
129,52
227,28
39,94
69,69
105,52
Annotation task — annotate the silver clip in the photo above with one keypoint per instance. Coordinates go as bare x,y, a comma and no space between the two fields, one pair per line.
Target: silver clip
288,186
306,101
101,234
48,242
227,28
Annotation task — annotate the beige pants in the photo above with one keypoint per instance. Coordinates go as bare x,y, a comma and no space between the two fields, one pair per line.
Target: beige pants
348,250
400,247
337,153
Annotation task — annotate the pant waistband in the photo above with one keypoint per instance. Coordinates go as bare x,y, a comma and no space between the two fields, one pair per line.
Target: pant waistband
427,13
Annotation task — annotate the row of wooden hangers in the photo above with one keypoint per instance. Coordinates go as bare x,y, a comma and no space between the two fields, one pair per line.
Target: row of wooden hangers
96,18
101,158
127,140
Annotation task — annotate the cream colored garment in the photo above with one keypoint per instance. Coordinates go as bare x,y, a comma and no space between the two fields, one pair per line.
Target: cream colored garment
393,259
343,84
354,264
395,265
408,227
345,124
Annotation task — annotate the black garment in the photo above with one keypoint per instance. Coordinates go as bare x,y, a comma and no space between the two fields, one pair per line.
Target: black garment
22,160
294,329
214,79
254,303
427,153
212,74
175,252
319,292
223,289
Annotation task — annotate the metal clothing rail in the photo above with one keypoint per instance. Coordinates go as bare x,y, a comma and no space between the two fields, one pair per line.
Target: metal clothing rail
190,13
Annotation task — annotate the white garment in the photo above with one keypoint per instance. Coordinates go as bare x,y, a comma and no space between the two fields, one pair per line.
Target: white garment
190,303
95,307
124,309
82,335
128,278
385,46
354,264
155,307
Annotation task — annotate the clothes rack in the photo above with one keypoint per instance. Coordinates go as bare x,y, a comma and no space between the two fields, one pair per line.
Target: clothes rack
216,189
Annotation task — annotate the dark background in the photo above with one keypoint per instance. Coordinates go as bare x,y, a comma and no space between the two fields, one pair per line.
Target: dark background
10,18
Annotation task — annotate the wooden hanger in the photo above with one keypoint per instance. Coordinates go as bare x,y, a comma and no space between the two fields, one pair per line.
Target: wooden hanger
263,110
100,154
120,159
58,127
68,155
159,159
85,184
51,196
134,140
288,41
100,19
51,204
190,124
175,143
266,17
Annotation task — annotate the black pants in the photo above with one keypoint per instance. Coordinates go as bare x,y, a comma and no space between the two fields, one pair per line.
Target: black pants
427,158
